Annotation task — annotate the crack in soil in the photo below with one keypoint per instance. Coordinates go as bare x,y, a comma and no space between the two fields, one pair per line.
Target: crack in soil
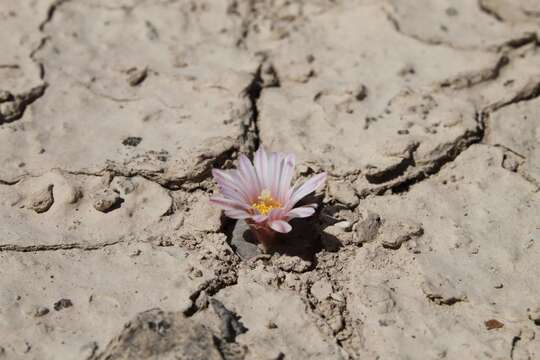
55,247
253,91
50,13
519,41
489,12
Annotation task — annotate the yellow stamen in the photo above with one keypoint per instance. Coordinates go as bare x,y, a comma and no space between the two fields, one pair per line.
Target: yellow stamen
266,203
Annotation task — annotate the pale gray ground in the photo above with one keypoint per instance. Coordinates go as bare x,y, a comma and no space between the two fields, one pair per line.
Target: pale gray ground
425,114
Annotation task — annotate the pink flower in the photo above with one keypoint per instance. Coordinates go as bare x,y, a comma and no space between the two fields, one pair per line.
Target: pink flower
261,193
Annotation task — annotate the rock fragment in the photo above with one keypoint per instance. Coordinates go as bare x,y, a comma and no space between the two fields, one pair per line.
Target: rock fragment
493,324
62,304
107,200
165,335
367,228
136,76
41,311
132,141
42,200
12,107
243,241
396,233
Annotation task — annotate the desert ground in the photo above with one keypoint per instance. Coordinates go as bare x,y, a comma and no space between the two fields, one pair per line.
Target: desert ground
424,114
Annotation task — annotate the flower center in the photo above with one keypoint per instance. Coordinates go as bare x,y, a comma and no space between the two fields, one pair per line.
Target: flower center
266,203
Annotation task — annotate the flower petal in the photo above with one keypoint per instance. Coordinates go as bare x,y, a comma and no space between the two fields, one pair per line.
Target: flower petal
226,180
308,187
280,226
277,214
229,204
237,214
231,194
260,160
248,172
243,183
301,212
273,173
286,175
222,177
259,218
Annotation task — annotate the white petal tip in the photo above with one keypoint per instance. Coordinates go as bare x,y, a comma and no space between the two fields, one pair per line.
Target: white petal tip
280,226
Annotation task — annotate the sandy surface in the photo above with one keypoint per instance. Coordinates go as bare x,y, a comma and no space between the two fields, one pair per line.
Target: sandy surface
425,114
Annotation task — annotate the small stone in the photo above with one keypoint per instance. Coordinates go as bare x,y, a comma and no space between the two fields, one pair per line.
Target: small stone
361,93
156,334
132,141
395,234
510,162
107,200
73,195
62,304
136,76
271,325
243,241
367,229
493,324
42,200
135,253
41,311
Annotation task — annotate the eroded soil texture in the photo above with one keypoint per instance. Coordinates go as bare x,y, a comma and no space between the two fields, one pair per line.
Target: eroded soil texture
425,115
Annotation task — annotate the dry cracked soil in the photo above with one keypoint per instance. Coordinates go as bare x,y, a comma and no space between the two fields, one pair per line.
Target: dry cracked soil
425,114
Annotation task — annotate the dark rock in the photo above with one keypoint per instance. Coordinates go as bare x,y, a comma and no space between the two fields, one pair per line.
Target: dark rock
136,76
493,324
41,311
155,334
243,241
132,141
62,304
